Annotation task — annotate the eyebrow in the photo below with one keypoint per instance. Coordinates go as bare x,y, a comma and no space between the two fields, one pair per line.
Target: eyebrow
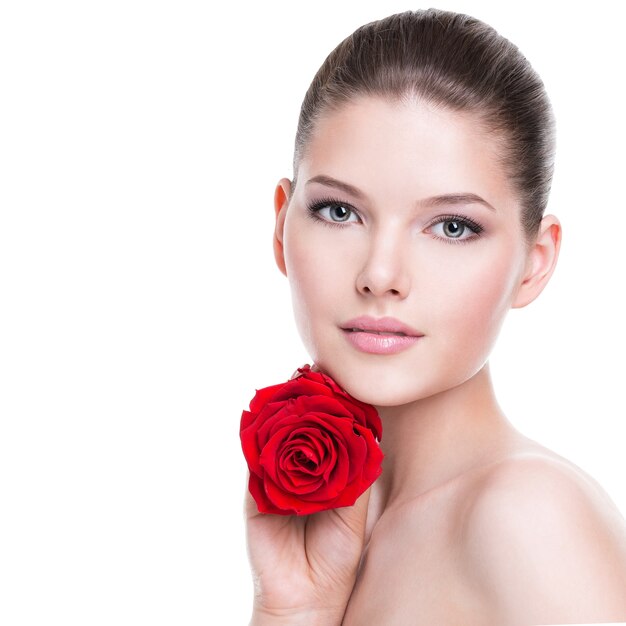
456,198
329,181
434,201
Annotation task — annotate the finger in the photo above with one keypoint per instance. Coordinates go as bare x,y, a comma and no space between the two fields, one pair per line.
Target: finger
355,517
339,534
250,507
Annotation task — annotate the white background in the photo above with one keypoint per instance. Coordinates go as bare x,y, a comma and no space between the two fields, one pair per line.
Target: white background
140,143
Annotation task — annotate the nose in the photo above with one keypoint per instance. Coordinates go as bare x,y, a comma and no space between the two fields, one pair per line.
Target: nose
384,271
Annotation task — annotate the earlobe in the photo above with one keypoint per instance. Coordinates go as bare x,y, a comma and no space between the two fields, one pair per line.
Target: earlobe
281,202
541,262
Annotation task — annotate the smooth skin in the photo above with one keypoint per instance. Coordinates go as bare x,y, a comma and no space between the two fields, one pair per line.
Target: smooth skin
471,522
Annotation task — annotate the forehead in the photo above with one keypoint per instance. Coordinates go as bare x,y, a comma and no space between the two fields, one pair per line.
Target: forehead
402,148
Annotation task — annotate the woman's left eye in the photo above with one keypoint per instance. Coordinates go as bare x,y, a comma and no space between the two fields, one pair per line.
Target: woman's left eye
456,229
333,212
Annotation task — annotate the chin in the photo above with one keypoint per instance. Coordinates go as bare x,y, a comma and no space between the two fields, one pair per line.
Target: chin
382,396
378,388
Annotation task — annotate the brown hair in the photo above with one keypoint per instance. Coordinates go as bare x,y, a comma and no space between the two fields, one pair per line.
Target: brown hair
450,60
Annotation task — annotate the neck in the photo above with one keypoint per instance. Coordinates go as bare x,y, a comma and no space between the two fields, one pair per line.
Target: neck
431,441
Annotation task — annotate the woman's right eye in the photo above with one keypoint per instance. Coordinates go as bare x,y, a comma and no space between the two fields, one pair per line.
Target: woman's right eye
333,212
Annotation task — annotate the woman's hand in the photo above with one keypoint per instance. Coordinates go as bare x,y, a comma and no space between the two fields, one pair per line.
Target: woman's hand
304,568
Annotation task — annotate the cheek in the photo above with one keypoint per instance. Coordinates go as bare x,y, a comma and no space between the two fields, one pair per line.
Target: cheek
472,299
315,276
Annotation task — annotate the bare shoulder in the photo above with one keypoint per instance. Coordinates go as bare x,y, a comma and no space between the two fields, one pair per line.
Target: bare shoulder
543,541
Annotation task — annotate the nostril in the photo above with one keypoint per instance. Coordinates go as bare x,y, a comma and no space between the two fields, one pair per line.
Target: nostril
393,291
382,285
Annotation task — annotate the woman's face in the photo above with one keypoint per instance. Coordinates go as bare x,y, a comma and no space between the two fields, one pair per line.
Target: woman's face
402,211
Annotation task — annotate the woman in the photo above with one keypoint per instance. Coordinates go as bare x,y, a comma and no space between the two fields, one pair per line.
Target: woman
414,222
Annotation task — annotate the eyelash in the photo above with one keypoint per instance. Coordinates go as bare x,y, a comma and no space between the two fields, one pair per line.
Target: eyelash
475,227
314,209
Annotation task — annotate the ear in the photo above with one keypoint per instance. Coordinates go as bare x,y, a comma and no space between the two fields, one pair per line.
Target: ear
541,262
281,202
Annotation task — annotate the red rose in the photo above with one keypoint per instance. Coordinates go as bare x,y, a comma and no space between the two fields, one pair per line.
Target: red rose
309,445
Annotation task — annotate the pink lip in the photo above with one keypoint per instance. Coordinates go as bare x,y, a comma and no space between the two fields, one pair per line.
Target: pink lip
368,338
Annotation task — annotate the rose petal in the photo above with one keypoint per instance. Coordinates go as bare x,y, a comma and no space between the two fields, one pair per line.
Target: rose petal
302,386
283,500
335,479
273,452
309,445
310,419
263,396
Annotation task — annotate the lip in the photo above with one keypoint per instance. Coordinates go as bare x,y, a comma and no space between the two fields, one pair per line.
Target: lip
385,335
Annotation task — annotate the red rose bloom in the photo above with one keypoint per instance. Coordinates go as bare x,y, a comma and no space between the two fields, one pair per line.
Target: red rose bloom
309,445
